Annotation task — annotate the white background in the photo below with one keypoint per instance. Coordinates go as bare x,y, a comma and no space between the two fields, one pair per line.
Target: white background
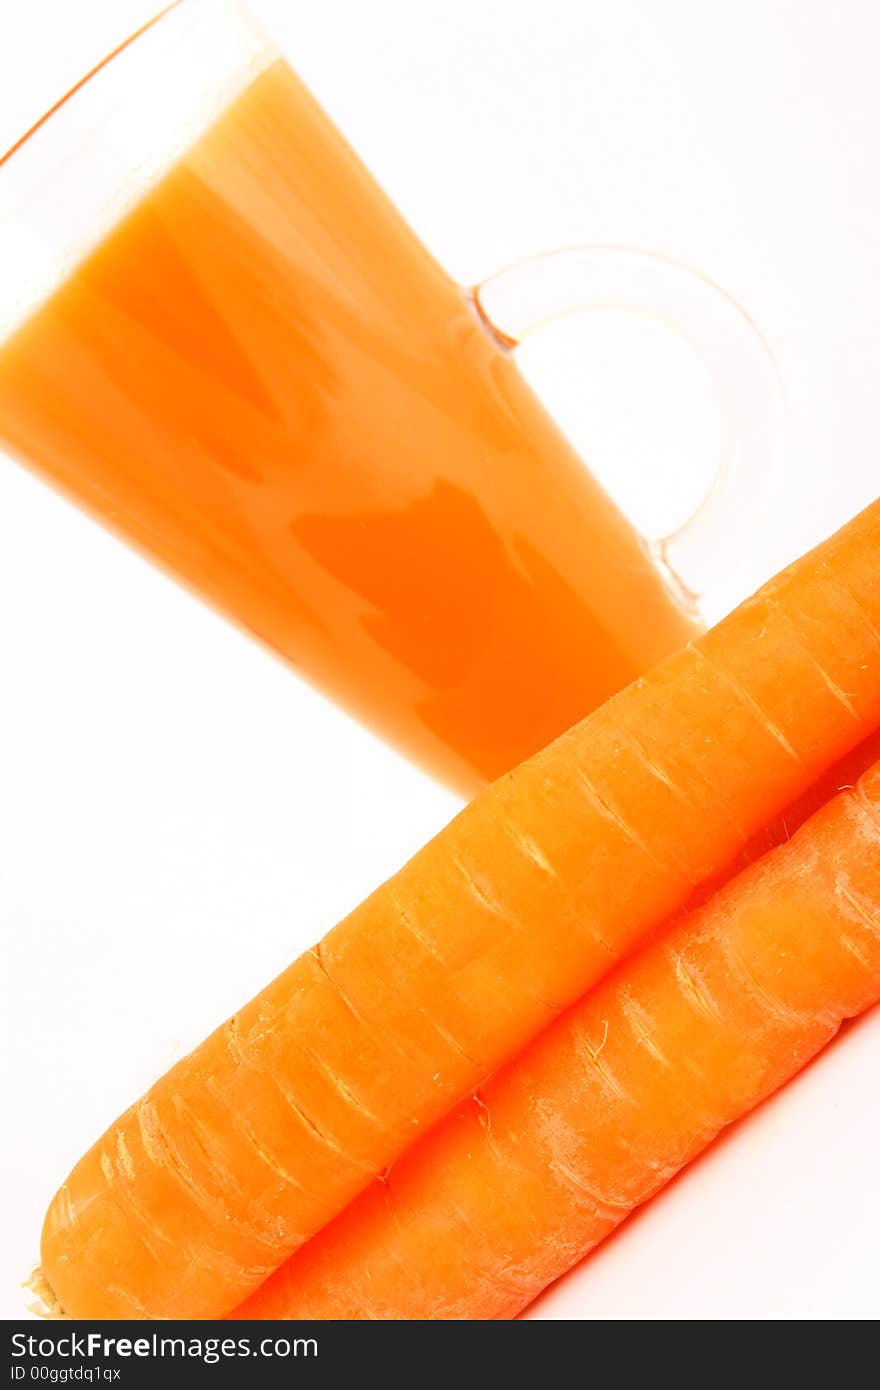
179,816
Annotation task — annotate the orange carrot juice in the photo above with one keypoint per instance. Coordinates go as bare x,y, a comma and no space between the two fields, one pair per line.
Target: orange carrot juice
262,379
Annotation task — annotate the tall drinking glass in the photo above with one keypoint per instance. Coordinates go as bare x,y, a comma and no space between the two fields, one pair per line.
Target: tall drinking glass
219,337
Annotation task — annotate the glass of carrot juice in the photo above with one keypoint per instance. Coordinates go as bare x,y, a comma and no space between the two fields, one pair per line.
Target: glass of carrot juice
219,337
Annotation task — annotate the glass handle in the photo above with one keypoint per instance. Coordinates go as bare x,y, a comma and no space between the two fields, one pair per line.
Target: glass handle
707,557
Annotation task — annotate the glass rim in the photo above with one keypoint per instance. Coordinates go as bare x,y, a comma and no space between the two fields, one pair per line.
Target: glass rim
97,152
19,144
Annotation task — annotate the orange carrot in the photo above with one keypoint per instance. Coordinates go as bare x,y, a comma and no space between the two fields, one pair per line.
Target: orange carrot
258,1138
524,1179
778,830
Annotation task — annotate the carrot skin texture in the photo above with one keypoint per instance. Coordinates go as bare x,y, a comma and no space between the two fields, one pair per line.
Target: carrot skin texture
623,1090
251,1144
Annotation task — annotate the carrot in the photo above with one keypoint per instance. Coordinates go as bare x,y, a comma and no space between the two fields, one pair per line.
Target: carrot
530,1174
840,776
264,1133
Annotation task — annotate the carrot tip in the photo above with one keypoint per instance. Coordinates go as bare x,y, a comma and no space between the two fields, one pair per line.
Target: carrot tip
42,1302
